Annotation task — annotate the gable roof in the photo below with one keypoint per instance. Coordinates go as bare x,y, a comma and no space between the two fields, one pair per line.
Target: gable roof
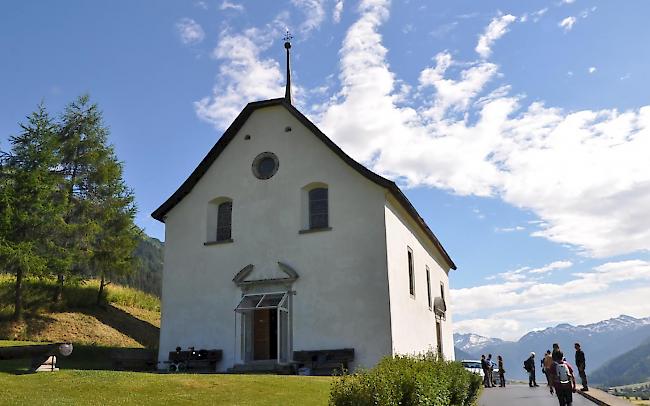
236,125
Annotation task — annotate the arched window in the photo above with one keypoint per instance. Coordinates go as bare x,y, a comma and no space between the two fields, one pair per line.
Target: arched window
318,208
224,221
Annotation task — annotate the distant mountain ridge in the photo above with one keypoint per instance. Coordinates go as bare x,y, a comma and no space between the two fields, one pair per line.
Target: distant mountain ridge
622,322
601,341
473,343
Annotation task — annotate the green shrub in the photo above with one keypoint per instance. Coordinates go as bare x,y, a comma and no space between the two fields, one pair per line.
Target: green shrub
407,381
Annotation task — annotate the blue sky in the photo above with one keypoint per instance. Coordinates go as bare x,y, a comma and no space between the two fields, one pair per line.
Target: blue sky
520,130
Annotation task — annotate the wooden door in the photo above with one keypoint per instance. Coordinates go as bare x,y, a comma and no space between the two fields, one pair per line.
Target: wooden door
261,336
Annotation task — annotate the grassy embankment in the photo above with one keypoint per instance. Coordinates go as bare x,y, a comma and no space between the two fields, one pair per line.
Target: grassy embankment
130,318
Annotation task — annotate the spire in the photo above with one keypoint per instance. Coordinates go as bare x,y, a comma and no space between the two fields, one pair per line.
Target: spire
287,45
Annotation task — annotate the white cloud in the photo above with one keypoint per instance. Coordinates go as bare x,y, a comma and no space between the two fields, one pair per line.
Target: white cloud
227,5
551,267
574,170
454,94
497,28
338,10
509,229
442,30
201,4
592,69
487,327
314,14
536,15
189,31
243,77
568,1
518,288
570,309
567,23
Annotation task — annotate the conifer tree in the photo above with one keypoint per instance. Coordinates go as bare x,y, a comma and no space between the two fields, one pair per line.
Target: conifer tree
32,205
101,207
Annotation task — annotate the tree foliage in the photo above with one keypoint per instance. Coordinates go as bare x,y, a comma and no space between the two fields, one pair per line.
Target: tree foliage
32,205
102,207
65,209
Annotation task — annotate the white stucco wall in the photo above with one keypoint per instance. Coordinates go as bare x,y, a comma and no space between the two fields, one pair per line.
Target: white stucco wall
413,324
341,296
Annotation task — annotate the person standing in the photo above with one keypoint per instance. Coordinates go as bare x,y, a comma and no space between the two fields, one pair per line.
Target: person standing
564,380
529,365
581,365
502,372
548,363
490,370
484,367
556,352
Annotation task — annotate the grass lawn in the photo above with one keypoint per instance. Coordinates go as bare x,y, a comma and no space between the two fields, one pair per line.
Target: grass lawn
74,386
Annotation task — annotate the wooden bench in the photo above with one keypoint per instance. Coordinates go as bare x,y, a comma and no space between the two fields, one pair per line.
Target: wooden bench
194,360
324,362
133,359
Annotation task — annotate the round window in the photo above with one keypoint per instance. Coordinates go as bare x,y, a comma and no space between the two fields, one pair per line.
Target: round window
265,165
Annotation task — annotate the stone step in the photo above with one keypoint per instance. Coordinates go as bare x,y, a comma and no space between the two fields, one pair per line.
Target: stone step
261,368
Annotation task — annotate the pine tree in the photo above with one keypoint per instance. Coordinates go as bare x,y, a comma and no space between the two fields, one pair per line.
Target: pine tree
32,205
115,243
102,208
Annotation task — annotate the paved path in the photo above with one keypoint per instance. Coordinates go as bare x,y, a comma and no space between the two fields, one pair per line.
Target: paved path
522,395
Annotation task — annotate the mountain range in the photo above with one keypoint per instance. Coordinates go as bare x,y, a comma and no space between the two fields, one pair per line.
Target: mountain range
601,342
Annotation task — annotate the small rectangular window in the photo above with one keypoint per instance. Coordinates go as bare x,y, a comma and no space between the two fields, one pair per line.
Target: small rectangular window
429,289
442,291
318,208
411,273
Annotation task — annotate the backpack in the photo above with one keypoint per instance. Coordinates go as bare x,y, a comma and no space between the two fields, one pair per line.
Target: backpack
527,365
563,373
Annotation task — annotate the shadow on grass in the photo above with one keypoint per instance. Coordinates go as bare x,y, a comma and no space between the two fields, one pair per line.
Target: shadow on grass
146,334
84,357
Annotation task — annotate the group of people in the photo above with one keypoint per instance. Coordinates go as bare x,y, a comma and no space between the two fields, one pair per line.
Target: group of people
559,373
487,365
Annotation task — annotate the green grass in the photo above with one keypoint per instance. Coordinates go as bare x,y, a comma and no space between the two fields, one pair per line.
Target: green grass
74,387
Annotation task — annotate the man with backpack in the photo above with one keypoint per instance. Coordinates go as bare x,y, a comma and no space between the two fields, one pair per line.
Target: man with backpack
563,380
581,365
529,366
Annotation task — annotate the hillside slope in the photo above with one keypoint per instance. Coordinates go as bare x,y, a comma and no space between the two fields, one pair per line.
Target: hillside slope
130,318
628,368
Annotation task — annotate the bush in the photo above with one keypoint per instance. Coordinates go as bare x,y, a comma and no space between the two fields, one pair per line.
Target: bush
408,381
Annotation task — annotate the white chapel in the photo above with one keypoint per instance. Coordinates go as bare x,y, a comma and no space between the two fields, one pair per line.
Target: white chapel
282,250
